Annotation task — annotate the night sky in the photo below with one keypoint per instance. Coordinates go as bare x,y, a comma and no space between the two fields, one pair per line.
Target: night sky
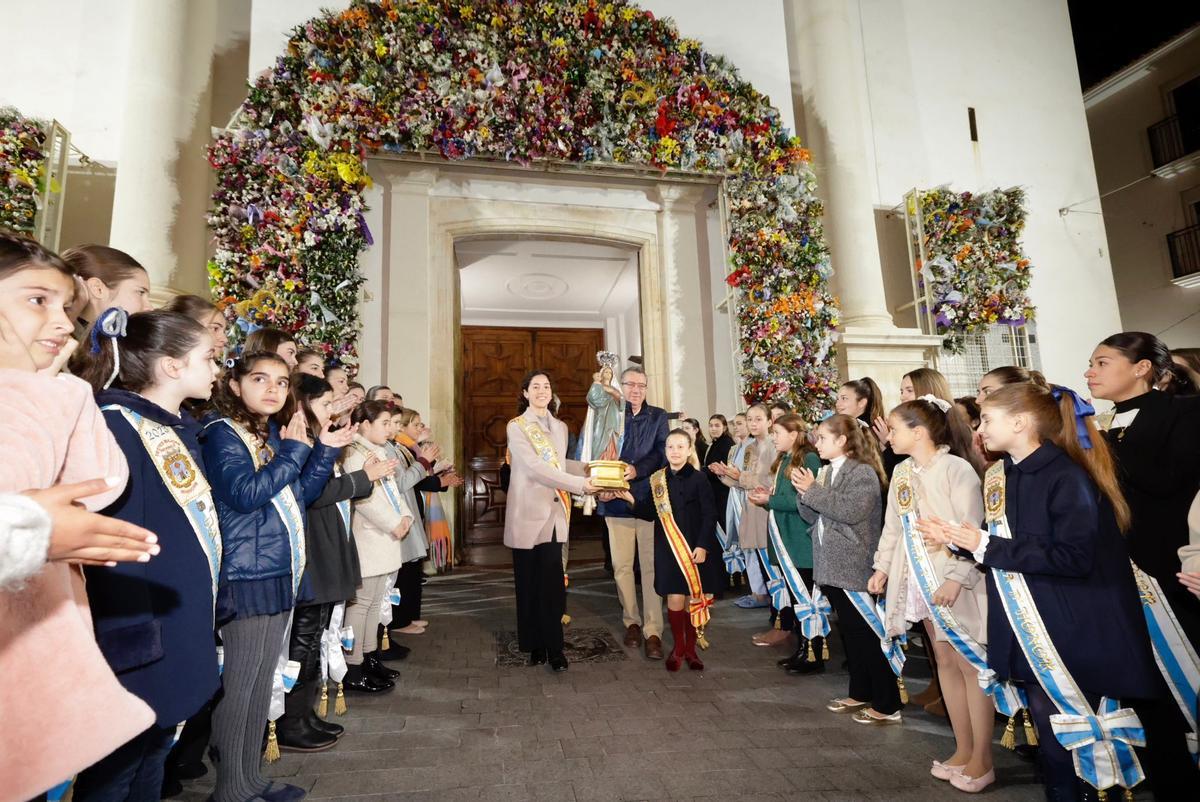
1108,36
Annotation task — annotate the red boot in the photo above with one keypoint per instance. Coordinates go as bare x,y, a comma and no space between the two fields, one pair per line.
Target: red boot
689,653
679,625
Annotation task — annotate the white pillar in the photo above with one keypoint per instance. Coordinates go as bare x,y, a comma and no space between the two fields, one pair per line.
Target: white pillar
825,49
831,101
159,113
687,322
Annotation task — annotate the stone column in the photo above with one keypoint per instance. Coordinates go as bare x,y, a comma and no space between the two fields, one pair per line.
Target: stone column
682,383
829,87
165,99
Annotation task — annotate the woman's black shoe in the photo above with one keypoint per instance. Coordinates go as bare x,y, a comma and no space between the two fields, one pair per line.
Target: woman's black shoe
358,681
537,657
807,667
558,662
372,667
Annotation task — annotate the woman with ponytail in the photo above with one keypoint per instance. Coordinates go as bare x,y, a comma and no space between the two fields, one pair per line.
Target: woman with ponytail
154,620
1062,601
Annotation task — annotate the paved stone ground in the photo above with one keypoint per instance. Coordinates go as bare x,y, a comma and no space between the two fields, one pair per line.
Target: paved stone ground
458,727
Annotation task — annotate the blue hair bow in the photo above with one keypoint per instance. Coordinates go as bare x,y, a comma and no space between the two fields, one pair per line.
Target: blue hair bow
111,324
1083,409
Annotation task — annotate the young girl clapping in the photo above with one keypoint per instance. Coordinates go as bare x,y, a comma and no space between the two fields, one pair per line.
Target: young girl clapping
262,477
940,477
846,505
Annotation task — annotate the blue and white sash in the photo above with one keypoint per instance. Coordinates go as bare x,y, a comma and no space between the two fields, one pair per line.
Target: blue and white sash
873,614
812,609
185,482
1100,741
1006,696
1177,659
731,551
285,503
391,490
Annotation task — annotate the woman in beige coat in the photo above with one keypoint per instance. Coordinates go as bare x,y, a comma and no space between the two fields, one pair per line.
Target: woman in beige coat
939,479
754,472
381,522
536,517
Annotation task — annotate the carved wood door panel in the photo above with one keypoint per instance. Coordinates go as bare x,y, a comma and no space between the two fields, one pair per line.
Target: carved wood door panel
495,360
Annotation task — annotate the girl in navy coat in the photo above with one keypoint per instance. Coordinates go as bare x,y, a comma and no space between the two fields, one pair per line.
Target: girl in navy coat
1066,514
263,477
154,620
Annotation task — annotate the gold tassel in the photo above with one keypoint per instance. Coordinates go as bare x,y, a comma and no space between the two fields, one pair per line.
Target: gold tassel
566,619
1127,795
272,753
777,623
339,705
904,646
1030,733
386,643
323,707
903,690
701,641
824,649
811,656
1009,739
1102,795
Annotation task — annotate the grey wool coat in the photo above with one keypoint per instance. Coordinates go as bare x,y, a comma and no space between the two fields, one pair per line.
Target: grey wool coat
851,514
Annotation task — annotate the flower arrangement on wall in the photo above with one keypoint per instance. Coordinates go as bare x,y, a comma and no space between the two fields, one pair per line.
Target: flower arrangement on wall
975,271
22,169
520,81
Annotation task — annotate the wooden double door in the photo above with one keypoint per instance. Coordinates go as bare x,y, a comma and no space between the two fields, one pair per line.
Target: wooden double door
495,360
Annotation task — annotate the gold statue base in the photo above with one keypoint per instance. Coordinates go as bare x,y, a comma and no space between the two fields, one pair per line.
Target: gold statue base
608,474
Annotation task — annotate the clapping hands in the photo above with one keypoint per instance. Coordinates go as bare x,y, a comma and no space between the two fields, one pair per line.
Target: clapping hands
337,438
377,468
935,531
759,496
802,479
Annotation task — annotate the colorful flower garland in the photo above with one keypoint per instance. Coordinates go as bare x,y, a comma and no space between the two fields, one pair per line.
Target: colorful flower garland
523,81
22,169
975,271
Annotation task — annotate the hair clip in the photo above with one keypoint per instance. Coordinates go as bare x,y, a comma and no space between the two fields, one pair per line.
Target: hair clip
231,363
940,403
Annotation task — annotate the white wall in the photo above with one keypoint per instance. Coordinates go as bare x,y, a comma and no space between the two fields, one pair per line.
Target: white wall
65,59
1139,217
927,61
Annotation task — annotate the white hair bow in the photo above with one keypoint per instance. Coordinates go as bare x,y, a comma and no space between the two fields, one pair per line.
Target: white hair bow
940,403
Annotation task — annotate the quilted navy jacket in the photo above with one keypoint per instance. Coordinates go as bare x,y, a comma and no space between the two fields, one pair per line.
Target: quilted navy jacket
254,536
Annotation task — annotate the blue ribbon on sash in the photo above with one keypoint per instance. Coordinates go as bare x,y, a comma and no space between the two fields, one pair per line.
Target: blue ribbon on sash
812,609
775,584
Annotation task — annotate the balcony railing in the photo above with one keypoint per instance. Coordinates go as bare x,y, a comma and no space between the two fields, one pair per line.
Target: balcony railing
1173,139
1184,246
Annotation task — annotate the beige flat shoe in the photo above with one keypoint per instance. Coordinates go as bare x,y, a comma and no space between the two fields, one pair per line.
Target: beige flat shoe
844,706
873,719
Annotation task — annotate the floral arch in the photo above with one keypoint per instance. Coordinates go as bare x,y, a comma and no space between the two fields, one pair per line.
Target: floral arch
522,81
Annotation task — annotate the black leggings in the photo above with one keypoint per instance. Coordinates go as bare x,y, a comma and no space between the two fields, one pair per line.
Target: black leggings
408,582
871,677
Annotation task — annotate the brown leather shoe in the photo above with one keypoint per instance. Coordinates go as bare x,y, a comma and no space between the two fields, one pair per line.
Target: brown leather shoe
654,648
633,636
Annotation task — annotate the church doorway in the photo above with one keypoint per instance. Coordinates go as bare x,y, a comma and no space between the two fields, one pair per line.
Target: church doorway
526,303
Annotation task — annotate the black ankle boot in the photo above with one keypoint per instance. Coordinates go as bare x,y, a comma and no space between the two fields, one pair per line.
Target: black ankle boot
813,665
537,657
795,657
358,681
293,731
376,669
315,721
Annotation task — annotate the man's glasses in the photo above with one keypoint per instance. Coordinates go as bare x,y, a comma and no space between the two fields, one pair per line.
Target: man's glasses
633,386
